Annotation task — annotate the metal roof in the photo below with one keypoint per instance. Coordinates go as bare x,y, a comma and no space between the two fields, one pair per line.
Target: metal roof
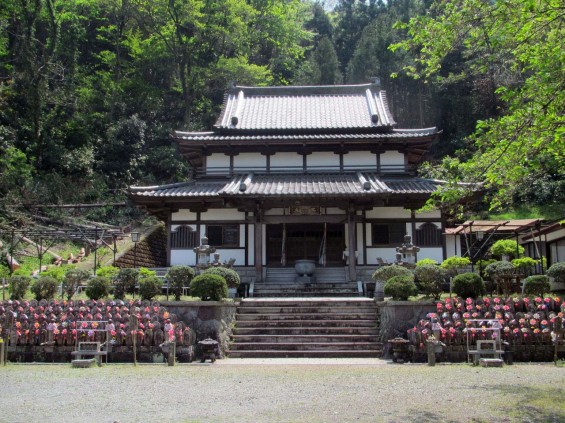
250,185
304,107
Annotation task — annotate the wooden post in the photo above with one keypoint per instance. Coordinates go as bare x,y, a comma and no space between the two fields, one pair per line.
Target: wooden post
2,353
133,325
258,255
352,245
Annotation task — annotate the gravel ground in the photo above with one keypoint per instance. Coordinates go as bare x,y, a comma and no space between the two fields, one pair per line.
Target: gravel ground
285,390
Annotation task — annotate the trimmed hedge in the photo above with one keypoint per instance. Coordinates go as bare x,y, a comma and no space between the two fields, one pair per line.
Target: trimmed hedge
179,277
97,288
18,286
536,285
44,288
468,285
400,287
230,275
149,287
209,287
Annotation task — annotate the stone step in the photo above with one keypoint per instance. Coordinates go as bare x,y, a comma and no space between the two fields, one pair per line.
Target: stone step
307,316
305,292
369,323
305,339
301,346
307,302
306,354
248,309
313,330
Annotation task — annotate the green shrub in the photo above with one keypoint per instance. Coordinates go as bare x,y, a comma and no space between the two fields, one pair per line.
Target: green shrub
73,279
525,265
536,285
57,272
425,262
149,287
144,271
503,273
108,272
454,264
557,272
231,276
44,288
98,287
18,286
468,285
506,247
179,277
400,287
125,283
384,273
430,278
208,286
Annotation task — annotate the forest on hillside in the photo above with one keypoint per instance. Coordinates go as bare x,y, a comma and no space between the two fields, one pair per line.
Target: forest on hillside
91,89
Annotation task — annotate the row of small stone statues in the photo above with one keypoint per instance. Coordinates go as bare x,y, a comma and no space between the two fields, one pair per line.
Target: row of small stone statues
62,323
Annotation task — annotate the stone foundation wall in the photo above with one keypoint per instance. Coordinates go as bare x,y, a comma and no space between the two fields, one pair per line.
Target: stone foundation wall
209,319
399,316
246,273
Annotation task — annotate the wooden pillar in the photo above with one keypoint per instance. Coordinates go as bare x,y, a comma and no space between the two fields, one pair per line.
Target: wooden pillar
352,244
168,229
258,245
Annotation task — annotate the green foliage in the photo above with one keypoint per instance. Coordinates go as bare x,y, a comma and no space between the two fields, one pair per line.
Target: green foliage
149,287
108,272
426,262
18,286
454,264
430,278
400,287
98,287
525,265
507,247
56,272
468,285
179,277
503,273
44,288
209,287
322,68
145,272
384,273
73,279
125,282
557,272
536,285
230,275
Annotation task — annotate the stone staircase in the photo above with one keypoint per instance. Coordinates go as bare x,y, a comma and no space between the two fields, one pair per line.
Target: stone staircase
329,282
306,327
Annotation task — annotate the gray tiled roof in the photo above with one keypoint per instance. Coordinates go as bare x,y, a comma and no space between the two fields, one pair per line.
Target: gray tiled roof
349,184
305,108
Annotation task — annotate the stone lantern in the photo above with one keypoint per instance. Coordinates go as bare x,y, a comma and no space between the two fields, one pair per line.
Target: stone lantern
407,251
203,252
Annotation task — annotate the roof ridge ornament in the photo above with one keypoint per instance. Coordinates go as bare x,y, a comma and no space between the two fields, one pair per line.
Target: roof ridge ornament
372,106
237,113
245,184
363,181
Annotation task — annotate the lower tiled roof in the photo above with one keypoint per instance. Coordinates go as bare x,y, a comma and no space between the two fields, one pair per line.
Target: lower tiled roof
324,185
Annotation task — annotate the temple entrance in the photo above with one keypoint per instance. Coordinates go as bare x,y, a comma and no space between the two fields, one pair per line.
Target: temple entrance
289,242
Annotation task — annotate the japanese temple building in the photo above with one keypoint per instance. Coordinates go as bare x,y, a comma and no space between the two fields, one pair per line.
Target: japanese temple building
301,172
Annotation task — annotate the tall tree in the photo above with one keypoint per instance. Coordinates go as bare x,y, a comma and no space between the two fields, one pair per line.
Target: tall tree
322,68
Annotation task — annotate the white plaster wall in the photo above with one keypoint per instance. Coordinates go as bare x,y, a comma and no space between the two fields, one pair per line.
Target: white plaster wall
217,160
250,253
434,253
183,214
242,236
356,159
453,245
429,215
228,253
286,161
183,257
322,161
391,161
387,254
388,213
249,160
222,214
274,212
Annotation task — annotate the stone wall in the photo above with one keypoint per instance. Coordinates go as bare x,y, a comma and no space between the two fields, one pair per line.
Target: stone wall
213,319
399,316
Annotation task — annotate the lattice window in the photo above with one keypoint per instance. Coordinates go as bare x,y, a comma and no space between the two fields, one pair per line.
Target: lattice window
428,235
223,235
388,233
184,237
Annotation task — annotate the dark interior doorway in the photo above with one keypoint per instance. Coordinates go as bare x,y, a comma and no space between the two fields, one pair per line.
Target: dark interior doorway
304,241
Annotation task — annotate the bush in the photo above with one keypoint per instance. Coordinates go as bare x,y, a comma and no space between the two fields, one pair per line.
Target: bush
73,279
557,272
108,272
231,276
57,273
506,247
98,287
44,288
208,286
536,285
468,285
503,273
454,264
400,287
125,283
430,278
18,286
525,265
149,287
425,262
384,273
179,277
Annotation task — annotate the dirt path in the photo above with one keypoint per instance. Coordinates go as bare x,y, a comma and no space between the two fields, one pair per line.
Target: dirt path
281,391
